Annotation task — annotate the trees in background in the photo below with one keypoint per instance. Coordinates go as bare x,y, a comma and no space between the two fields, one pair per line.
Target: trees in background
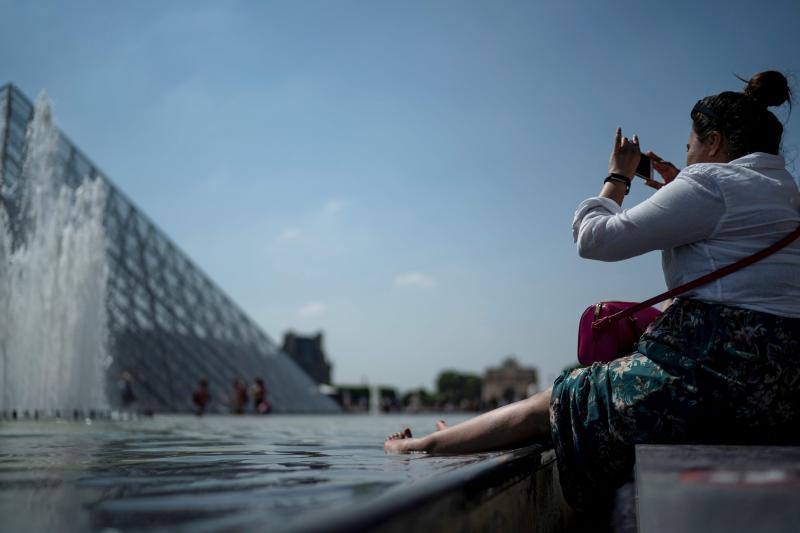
455,391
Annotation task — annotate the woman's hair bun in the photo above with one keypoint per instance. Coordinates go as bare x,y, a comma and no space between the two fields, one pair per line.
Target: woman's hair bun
769,87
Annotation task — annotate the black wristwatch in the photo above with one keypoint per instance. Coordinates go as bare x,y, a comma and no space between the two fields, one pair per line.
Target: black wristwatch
619,178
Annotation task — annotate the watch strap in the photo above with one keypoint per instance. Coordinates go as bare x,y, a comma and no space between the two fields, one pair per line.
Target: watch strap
619,178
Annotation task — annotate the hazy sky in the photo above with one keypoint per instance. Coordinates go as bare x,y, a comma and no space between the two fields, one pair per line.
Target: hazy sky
401,175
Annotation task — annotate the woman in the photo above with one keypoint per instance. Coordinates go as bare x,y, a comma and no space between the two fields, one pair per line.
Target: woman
722,363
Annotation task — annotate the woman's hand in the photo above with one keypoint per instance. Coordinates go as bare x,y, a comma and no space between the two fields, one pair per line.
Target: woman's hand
625,156
667,170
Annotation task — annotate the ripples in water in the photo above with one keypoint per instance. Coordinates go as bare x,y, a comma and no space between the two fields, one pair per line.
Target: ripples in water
201,474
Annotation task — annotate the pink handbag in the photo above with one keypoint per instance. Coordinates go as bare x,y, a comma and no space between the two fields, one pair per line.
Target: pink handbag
608,330
618,338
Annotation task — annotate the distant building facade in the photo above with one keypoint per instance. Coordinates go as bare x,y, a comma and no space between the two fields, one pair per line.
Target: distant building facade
308,353
508,382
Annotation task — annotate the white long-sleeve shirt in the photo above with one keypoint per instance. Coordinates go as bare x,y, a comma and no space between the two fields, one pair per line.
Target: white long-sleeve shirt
711,215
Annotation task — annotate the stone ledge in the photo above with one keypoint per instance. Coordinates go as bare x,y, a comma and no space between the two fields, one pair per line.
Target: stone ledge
513,491
713,489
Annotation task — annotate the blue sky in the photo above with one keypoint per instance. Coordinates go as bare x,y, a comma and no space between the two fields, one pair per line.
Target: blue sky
401,175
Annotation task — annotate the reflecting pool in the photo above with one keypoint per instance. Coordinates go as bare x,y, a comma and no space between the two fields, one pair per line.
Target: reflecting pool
202,474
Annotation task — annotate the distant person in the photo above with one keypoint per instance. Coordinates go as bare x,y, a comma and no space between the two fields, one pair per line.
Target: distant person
259,394
201,397
126,394
239,397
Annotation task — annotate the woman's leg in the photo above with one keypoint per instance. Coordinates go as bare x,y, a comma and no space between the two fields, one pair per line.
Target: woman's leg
516,424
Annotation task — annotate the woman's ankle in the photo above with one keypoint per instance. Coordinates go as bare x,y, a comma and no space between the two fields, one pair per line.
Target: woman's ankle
425,444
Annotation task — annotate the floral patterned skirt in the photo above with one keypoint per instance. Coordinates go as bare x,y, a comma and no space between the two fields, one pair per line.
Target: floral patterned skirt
702,373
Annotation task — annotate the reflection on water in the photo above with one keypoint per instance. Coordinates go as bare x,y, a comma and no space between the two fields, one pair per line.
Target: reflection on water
200,474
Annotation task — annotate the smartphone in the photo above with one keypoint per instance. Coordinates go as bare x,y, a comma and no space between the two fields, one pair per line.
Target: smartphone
645,168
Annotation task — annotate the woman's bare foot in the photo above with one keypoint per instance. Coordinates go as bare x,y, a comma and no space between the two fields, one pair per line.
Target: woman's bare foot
402,442
405,434
440,425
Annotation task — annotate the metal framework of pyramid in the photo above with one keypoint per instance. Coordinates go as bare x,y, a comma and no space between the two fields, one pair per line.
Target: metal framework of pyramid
169,324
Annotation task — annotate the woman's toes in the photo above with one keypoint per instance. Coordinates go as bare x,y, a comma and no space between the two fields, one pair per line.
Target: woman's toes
440,425
405,434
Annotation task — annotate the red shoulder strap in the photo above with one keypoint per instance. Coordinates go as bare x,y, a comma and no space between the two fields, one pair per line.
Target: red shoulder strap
724,271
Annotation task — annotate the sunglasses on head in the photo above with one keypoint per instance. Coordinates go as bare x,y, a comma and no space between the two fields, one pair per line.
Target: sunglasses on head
703,110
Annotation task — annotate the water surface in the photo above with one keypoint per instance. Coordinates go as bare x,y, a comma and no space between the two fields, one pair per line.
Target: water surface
202,474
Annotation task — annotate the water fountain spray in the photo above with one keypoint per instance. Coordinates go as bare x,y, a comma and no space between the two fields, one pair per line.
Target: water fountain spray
53,277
